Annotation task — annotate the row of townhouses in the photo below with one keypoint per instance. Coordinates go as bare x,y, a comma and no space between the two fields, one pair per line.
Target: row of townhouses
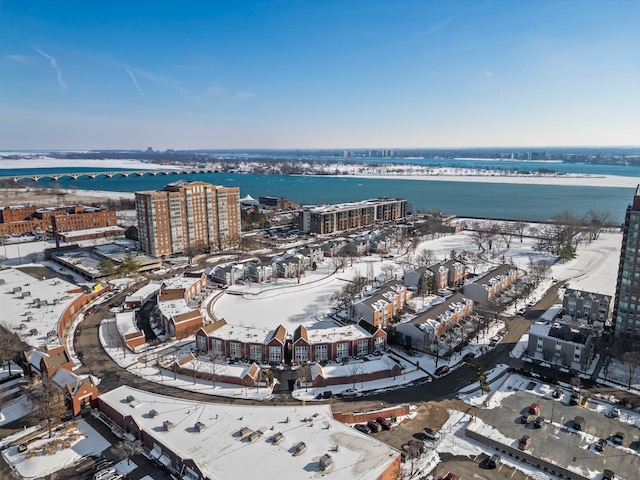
434,322
592,307
222,340
445,275
294,262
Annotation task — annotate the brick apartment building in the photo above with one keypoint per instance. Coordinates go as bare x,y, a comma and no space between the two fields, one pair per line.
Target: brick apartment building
16,220
186,216
346,216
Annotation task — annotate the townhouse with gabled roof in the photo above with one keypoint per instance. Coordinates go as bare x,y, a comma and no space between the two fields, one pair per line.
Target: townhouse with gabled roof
232,341
43,362
412,277
587,305
330,248
383,304
80,392
441,273
457,273
435,321
484,289
336,343
178,304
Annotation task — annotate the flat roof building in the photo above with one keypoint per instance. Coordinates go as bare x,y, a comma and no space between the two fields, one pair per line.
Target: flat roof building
345,216
197,440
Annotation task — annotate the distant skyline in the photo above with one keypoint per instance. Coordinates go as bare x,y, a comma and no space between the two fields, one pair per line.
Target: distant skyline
318,74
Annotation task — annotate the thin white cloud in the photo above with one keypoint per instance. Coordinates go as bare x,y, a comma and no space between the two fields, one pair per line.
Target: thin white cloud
160,80
135,82
242,96
16,58
435,28
54,64
488,74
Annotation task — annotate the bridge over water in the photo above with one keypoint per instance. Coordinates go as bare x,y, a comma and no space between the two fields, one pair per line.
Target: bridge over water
105,174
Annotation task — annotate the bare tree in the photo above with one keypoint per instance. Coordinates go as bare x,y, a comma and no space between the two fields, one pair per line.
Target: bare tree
354,370
10,346
519,228
126,449
596,221
387,270
506,231
303,375
424,257
632,365
48,399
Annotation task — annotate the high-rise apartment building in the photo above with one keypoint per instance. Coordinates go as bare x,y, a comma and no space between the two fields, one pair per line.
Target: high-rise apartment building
626,310
187,217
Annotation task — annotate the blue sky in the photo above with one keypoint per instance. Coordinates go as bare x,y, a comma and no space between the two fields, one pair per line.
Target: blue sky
318,74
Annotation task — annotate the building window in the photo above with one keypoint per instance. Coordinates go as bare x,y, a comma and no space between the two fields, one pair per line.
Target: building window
201,343
558,346
576,354
378,343
217,347
322,353
235,350
301,354
363,347
342,350
539,345
255,352
275,354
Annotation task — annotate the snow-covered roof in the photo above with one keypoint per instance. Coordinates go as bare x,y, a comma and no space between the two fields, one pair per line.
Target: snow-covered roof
20,308
243,334
336,334
126,322
150,288
221,451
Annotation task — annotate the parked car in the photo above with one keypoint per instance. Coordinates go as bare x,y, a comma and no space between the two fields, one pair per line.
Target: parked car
493,461
430,433
557,393
350,392
450,476
608,475
600,445
526,418
534,408
618,438
386,424
614,413
538,422
468,357
443,370
363,427
578,423
374,426
573,400
524,442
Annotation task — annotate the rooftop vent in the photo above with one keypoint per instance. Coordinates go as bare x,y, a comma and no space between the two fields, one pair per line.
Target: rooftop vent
299,448
26,294
244,431
253,436
17,289
200,426
167,425
326,462
2,281
130,398
277,439
153,413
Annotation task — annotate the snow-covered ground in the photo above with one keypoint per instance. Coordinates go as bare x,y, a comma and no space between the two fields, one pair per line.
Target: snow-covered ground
86,442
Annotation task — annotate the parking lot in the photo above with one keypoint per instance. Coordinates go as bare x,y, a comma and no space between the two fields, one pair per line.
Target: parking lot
557,441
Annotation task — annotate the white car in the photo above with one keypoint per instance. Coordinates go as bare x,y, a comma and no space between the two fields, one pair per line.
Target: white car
350,392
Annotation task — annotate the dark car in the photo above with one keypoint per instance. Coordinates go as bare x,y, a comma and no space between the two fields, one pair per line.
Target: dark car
600,445
618,438
608,475
557,393
468,357
364,428
430,433
374,426
493,461
443,370
573,400
538,422
386,424
524,442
